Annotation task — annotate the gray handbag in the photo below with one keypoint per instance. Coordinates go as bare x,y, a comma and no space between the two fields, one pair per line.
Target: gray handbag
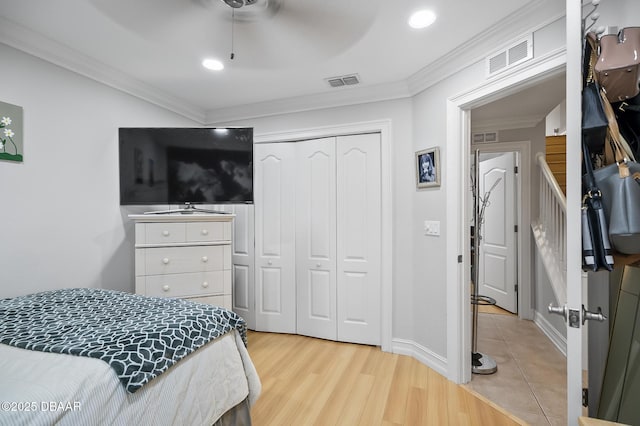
619,183
596,247
620,187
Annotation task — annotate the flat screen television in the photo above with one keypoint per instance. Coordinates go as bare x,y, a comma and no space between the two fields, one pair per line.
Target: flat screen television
185,165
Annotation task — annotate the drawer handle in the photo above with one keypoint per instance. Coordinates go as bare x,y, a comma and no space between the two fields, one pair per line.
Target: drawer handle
318,265
269,263
165,288
166,233
205,259
205,284
205,232
165,260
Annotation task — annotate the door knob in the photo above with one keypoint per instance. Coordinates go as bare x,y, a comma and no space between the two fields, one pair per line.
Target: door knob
573,314
570,315
593,316
558,310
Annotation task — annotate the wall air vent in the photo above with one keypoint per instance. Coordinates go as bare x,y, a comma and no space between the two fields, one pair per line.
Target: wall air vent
345,80
512,55
486,137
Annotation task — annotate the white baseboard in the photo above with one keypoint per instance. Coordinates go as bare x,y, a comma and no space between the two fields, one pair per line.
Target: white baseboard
550,331
421,354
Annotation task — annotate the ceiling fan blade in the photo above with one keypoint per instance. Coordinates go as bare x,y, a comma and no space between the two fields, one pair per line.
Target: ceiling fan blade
303,30
160,19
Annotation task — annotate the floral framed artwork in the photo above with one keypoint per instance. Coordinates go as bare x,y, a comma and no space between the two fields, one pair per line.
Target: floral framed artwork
428,167
11,142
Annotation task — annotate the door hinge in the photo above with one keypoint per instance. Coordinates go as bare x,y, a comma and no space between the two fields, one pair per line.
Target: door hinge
585,397
515,228
459,258
515,287
515,169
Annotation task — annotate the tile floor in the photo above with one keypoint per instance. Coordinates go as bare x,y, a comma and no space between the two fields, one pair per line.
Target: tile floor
530,381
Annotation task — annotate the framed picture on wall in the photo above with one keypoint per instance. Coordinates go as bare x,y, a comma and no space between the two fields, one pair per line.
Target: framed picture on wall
11,142
428,168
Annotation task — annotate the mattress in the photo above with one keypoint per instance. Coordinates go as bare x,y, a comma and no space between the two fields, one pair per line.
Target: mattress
39,388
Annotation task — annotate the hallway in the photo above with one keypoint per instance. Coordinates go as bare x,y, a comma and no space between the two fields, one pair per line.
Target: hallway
531,379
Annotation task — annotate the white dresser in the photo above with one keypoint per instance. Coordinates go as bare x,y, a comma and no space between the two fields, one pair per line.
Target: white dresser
184,255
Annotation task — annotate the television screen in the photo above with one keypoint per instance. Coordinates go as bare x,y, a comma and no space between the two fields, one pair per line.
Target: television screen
186,165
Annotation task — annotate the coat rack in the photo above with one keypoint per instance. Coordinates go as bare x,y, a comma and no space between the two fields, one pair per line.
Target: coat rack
480,363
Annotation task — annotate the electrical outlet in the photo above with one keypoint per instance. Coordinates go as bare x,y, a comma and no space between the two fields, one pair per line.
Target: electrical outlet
432,227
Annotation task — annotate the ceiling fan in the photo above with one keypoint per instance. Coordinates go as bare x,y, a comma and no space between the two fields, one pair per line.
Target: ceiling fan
269,33
237,4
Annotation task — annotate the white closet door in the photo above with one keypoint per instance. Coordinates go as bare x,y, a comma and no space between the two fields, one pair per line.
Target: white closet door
274,194
242,259
316,238
358,238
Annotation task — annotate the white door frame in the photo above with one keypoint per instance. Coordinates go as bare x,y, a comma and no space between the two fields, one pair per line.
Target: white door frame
386,267
523,220
456,159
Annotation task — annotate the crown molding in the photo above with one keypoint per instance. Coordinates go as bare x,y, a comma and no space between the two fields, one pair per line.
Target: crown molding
26,40
342,96
35,44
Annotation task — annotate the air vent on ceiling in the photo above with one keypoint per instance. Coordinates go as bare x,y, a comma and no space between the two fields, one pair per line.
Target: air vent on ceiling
514,54
345,80
486,137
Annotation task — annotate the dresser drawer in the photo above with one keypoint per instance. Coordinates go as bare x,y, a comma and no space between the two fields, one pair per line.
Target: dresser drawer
175,260
187,284
208,231
162,233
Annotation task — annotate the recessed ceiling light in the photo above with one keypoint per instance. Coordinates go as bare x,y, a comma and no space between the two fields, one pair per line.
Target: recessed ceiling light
213,64
422,19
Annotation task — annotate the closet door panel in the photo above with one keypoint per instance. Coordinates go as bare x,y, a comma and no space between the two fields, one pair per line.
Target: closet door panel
358,238
242,258
316,238
274,193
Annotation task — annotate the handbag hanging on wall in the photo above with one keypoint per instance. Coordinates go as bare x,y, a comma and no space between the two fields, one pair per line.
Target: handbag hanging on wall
596,248
594,119
618,66
619,184
628,118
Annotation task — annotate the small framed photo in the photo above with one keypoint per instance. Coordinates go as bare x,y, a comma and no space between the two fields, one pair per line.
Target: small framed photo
428,168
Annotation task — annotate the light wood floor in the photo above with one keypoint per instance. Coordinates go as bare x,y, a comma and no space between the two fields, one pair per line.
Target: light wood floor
309,381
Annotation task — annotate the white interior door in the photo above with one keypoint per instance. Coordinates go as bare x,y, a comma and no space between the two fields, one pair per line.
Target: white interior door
274,195
359,236
498,257
316,238
242,258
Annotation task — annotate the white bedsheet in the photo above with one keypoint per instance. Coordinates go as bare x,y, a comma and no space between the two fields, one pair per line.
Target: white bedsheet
38,388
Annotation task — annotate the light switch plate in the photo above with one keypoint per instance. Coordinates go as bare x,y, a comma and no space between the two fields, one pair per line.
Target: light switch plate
432,227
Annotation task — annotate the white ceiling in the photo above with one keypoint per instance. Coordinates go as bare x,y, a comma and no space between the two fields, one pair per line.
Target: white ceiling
281,52
523,109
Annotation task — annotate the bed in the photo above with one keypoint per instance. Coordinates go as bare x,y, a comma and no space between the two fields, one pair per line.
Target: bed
94,356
